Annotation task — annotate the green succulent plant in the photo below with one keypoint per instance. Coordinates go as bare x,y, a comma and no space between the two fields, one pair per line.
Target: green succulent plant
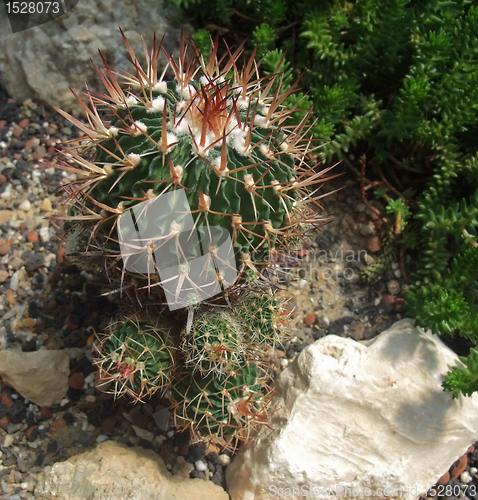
207,152
134,358
223,408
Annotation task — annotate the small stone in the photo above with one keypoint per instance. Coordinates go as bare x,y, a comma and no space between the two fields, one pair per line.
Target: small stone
7,192
32,236
24,123
224,460
3,276
373,244
46,205
5,215
200,466
44,233
473,470
102,438
25,205
460,467
4,246
356,330
3,180
161,418
309,319
143,433
466,477
361,207
8,441
14,281
76,381
387,300
39,153
367,229
393,286
45,412
182,468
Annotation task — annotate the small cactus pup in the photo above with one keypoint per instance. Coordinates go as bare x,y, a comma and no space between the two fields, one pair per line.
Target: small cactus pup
134,358
193,180
223,409
221,340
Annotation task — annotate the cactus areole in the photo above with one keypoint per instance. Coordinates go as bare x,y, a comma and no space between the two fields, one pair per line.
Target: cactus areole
214,134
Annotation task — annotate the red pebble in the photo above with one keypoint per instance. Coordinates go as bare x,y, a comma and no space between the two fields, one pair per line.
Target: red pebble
76,381
459,467
309,319
32,237
45,412
444,479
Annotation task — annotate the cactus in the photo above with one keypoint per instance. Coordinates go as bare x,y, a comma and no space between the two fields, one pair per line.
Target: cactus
222,340
215,139
215,343
225,408
134,358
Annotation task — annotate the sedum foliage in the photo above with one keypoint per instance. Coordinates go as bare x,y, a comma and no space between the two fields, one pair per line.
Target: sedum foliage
394,82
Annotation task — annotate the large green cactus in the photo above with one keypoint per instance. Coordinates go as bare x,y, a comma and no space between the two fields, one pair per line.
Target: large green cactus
214,139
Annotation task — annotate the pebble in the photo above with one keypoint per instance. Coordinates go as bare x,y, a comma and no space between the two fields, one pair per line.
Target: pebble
7,192
46,205
393,286
161,418
44,234
473,470
8,441
32,236
5,216
76,381
14,281
102,438
4,246
466,477
3,276
143,433
373,243
309,319
224,460
25,205
200,466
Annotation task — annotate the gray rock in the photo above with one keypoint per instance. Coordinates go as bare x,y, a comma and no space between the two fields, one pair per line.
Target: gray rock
40,376
41,63
113,470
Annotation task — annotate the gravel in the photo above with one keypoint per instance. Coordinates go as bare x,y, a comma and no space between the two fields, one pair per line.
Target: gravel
45,302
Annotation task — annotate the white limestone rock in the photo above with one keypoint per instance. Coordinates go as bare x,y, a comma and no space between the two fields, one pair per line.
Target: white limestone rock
112,470
360,415
39,376
41,63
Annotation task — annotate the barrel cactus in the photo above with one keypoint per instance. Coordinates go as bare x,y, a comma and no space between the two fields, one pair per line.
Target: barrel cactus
194,179
224,408
134,358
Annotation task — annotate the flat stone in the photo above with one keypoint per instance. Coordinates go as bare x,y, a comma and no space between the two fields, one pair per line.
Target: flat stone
112,470
39,376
